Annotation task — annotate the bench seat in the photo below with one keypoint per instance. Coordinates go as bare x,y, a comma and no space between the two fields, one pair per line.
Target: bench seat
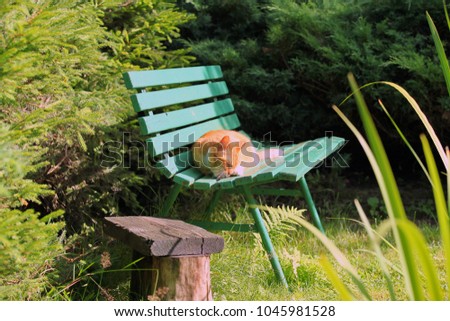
298,160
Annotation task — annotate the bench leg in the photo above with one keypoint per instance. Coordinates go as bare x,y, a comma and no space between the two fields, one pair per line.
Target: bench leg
267,243
185,278
168,203
141,275
215,199
311,206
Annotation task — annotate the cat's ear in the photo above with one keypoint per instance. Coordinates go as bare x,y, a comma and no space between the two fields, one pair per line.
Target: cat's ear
225,141
236,151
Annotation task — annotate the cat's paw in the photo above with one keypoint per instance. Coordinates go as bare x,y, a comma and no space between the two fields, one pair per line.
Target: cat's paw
221,175
238,171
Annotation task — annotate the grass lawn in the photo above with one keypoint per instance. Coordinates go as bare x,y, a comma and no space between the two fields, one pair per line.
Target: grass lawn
242,271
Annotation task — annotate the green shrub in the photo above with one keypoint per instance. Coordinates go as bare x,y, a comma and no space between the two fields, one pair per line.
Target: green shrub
425,277
62,100
146,32
28,244
63,90
287,60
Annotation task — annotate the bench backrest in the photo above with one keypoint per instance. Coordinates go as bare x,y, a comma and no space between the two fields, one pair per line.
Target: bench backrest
176,107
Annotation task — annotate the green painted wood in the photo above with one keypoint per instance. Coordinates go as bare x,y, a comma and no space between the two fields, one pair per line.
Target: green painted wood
267,242
236,181
271,170
224,226
315,152
297,155
214,201
276,191
310,202
231,182
208,182
171,165
155,99
268,170
183,137
149,78
264,172
205,183
187,177
156,123
170,200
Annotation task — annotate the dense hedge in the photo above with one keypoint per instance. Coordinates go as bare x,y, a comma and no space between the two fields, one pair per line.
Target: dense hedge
287,61
62,99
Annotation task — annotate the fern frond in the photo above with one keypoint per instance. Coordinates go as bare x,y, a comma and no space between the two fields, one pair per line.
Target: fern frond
282,219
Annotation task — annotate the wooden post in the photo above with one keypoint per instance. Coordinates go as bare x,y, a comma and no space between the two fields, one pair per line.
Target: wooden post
175,256
141,276
186,278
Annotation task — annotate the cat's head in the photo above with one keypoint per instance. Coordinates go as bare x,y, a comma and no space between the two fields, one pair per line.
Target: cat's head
223,157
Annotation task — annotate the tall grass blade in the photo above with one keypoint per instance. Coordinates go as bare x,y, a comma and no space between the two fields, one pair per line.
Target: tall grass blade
423,118
418,245
331,247
377,249
391,195
384,192
446,13
338,255
403,137
447,151
371,157
440,50
332,275
418,111
440,202
378,150
424,258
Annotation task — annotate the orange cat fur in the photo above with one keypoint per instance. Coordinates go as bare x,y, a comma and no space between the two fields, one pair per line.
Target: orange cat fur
226,153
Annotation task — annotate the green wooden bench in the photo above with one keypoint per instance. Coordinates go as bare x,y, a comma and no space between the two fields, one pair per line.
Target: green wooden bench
177,106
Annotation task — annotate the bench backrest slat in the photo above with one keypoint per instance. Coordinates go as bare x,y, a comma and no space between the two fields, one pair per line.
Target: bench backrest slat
176,107
156,123
150,78
180,138
172,165
161,98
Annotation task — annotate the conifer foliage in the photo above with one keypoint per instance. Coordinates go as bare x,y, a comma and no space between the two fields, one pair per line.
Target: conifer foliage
287,60
62,98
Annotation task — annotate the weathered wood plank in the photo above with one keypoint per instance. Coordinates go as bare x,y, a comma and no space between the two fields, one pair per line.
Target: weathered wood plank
153,236
181,278
185,278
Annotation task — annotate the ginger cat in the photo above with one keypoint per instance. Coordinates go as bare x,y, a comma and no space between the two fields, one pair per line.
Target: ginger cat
226,153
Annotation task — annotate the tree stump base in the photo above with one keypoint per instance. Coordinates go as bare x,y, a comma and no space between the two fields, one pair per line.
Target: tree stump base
172,257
